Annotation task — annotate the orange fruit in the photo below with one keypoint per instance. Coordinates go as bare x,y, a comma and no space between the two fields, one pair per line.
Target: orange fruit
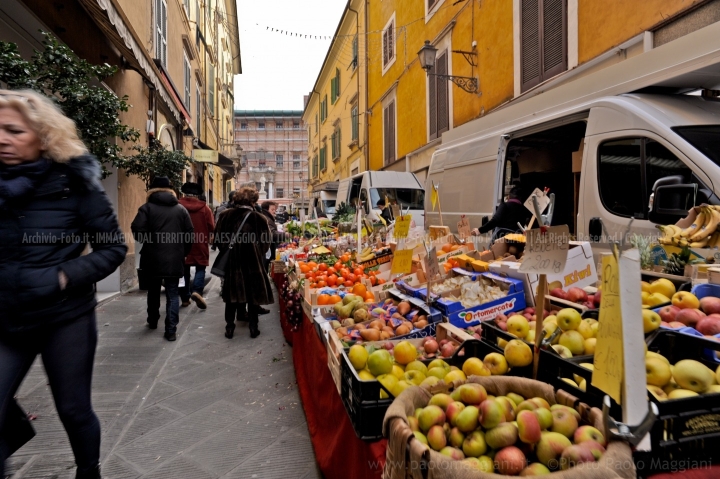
332,280
348,284
360,290
323,267
381,281
323,299
334,299
304,269
321,284
455,247
368,296
447,247
312,264
358,271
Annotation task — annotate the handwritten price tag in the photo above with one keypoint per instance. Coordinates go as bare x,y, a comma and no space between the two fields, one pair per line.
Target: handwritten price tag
608,363
402,262
463,228
395,210
542,199
402,226
432,267
546,253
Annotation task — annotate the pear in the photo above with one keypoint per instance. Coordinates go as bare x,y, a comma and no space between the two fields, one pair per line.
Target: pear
345,311
349,298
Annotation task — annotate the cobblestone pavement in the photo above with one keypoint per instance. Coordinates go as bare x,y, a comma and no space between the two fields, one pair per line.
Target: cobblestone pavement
202,407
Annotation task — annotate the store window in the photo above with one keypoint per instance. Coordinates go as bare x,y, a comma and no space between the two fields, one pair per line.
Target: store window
279,193
279,162
243,126
261,125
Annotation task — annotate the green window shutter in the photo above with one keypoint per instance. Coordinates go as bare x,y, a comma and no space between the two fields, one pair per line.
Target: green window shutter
355,52
337,83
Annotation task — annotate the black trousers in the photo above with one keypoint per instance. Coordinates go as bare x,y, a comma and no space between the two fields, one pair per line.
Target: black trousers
241,312
68,354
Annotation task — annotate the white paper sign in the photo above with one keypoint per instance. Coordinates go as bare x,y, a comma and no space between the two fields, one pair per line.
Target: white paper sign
546,252
542,199
432,267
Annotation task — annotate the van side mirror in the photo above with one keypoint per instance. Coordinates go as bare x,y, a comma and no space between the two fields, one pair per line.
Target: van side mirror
672,202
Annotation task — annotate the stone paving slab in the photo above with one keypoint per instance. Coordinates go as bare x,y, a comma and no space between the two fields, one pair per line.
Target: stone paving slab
203,407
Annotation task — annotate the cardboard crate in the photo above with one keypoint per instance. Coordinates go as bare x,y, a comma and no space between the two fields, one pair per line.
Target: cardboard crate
334,356
514,301
579,270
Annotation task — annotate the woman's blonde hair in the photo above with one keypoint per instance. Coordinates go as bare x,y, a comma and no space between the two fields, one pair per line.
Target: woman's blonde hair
58,134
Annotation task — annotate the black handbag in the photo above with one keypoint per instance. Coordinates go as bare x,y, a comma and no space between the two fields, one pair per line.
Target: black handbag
220,264
17,430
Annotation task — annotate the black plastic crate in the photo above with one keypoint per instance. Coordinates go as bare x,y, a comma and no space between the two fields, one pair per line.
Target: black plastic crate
362,401
686,430
481,348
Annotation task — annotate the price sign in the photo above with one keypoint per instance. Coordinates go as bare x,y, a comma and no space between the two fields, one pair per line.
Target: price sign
546,252
542,199
608,362
463,227
402,262
402,226
432,267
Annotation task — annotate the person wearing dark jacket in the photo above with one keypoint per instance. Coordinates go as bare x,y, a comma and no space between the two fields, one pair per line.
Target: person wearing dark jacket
52,205
386,213
199,256
165,229
507,216
223,206
246,281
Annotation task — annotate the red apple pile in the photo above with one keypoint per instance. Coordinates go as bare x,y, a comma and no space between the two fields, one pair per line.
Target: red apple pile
687,310
579,296
506,435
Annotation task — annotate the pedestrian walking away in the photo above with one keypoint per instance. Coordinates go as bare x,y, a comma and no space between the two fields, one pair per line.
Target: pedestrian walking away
246,282
203,226
51,206
164,228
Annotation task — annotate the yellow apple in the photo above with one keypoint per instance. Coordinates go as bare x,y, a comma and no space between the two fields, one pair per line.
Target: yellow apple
650,354
574,341
496,363
681,393
550,319
657,298
562,351
685,300
645,287
589,366
671,386
568,319
475,366
502,343
585,329
644,296
663,286
658,372
651,320
692,375
518,353
657,392
530,338
714,389
590,345
518,326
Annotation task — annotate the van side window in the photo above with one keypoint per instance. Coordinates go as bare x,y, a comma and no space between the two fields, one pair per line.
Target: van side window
620,177
628,171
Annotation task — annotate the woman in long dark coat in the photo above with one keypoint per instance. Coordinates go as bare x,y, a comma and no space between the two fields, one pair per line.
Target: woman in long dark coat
246,282
51,205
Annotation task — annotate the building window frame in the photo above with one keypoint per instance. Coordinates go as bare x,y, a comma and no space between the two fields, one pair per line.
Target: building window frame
315,166
335,87
279,192
243,125
533,45
354,61
211,89
198,108
279,162
389,118
186,80
161,19
323,157
281,127
354,123
336,145
436,126
389,43
261,125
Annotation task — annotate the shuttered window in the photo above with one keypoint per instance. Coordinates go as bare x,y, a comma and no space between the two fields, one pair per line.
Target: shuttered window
336,144
186,77
211,89
543,40
323,109
431,4
198,111
355,121
161,32
389,43
323,157
335,87
438,97
389,132
355,52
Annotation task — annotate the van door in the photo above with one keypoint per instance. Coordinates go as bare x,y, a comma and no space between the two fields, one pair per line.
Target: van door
620,171
342,192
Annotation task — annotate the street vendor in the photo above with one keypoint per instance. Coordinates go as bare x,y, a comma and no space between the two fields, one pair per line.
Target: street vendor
506,218
385,211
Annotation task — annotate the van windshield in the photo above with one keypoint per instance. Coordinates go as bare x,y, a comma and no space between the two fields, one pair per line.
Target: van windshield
705,138
405,197
329,206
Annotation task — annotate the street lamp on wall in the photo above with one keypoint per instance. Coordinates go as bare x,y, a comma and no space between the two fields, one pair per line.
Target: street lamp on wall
427,55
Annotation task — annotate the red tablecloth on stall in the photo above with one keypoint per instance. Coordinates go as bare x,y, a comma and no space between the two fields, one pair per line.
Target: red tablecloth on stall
712,472
279,279
339,453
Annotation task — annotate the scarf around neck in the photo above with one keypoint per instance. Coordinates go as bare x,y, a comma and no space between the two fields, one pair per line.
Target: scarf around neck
19,181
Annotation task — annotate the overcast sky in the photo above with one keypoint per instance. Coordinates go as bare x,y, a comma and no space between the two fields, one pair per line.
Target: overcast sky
278,69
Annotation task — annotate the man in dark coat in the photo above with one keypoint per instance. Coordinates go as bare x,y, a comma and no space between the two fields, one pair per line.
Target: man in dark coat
508,215
199,256
386,213
165,229
224,206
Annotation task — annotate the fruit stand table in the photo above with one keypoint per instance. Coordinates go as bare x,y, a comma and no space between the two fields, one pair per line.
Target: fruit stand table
338,451
279,279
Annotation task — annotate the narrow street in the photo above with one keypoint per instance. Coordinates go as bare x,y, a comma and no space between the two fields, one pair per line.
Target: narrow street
199,408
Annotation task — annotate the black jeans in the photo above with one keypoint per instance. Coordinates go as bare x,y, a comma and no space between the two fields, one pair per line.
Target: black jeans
241,312
68,353
172,303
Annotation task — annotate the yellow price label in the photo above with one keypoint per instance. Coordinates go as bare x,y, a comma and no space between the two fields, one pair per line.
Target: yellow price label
402,226
608,362
402,262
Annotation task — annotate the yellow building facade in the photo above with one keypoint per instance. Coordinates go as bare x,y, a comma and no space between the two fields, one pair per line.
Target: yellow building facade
334,113
511,48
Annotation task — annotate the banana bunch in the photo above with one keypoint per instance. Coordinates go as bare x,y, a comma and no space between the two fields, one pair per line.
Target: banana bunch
701,234
366,254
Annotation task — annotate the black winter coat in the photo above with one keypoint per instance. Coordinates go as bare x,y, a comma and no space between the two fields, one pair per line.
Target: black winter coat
165,229
246,280
47,234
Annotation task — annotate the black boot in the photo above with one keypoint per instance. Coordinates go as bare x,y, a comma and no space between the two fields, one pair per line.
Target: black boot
91,474
229,331
262,310
254,331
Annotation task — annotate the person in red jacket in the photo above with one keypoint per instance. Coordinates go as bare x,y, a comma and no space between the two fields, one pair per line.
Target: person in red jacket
199,256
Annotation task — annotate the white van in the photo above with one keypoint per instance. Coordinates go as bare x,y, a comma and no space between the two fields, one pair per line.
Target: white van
369,187
604,152
324,200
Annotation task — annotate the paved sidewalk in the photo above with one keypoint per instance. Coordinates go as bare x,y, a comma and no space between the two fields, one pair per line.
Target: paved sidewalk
202,407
